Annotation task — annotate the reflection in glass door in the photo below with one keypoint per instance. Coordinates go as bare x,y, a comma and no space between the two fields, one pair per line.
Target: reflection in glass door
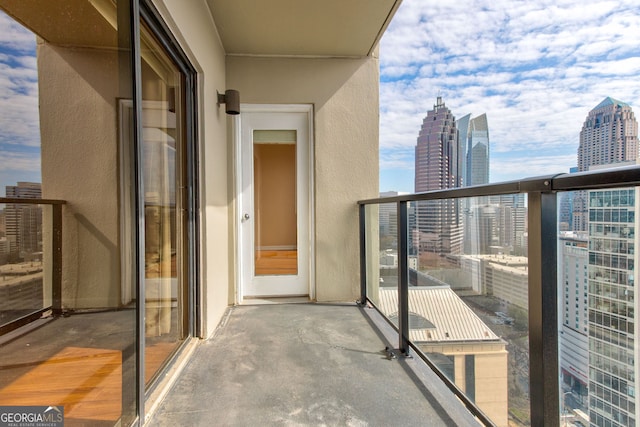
163,167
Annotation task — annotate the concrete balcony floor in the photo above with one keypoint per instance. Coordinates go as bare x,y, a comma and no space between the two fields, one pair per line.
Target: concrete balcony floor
305,364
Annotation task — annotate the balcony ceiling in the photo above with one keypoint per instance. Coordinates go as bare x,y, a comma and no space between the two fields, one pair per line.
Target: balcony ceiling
316,28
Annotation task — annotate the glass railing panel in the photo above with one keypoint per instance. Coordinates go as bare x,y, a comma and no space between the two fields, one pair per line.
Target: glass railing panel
382,255
477,265
596,297
468,295
25,273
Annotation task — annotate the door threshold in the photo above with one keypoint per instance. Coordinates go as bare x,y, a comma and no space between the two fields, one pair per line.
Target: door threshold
274,300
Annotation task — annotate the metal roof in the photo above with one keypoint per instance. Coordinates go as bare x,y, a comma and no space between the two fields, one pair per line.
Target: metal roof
453,320
608,101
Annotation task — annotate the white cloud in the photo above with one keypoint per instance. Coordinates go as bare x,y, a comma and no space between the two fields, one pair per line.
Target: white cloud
505,169
535,68
19,118
14,35
19,161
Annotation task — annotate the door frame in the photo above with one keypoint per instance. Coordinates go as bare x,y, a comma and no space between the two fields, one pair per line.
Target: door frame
237,141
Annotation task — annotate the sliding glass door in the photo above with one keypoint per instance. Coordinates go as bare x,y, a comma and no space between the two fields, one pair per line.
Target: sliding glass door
164,166
98,222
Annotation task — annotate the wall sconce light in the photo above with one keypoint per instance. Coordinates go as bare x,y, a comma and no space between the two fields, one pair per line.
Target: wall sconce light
231,99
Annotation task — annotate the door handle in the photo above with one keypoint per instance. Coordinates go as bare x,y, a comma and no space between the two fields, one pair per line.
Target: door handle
246,216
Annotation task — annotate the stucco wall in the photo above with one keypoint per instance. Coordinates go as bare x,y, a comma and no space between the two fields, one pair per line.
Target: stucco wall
193,27
78,94
344,93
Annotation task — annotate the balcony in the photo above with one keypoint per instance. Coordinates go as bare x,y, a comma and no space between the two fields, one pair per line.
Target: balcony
438,337
33,287
306,364
352,367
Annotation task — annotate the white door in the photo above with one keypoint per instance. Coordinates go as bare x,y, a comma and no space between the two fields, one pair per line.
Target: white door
274,223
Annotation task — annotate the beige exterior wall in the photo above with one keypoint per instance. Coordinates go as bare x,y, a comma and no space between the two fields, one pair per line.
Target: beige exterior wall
508,284
491,380
80,161
80,166
492,386
192,25
344,93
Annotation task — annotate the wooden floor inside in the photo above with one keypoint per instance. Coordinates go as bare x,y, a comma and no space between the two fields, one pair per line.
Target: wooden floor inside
86,381
276,263
36,369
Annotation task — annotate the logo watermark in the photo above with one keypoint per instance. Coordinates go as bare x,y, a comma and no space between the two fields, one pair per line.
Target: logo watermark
31,416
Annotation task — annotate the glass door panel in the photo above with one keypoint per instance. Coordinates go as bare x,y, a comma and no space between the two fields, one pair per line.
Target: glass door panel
276,225
66,79
163,157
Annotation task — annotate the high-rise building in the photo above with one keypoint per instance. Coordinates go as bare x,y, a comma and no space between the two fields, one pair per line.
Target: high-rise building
477,161
609,138
388,217
565,207
479,217
473,141
574,314
613,336
609,135
463,141
439,157
23,222
438,152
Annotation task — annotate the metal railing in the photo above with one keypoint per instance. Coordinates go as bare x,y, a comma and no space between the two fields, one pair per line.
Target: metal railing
54,259
542,274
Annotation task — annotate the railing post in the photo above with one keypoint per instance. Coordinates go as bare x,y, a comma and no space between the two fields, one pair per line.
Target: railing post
363,254
56,247
543,310
403,279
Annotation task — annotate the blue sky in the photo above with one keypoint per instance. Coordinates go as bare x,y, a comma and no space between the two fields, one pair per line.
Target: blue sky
535,68
19,123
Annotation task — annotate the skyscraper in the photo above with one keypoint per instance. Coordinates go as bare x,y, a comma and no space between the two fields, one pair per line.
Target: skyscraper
438,152
574,315
613,336
463,142
609,135
439,157
478,215
609,138
23,221
477,169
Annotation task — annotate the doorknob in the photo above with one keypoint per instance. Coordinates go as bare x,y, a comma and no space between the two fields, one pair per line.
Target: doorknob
246,216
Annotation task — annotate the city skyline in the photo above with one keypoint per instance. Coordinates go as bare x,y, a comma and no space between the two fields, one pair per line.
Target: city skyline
569,57
536,70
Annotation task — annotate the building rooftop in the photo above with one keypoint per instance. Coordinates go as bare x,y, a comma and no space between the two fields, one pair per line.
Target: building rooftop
451,318
608,101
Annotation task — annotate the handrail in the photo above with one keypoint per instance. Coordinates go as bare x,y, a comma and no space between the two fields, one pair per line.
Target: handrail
597,179
542,282
30,201
56,256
